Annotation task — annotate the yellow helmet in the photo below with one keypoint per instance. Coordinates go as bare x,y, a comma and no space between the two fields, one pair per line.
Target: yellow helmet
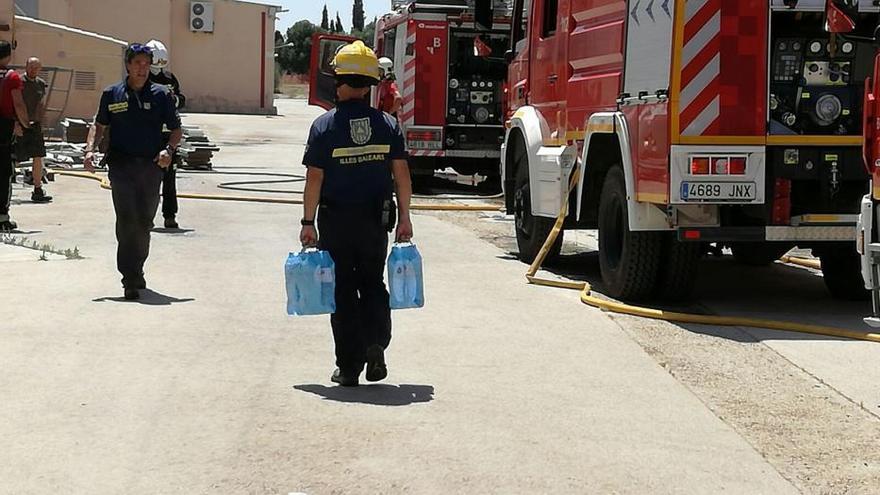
356,59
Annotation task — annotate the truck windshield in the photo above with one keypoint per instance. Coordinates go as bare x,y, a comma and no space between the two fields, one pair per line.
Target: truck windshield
464,64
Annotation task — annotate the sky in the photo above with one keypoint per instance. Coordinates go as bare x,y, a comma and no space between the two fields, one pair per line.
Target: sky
311,10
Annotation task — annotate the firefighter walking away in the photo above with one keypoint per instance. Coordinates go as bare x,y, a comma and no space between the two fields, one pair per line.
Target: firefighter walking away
356,160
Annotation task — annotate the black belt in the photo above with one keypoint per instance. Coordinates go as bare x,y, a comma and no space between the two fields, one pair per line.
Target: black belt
125,157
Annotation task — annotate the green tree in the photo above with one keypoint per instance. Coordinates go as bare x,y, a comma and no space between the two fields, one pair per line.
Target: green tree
333,26
357,16
325,19
295,58
368,34
339,27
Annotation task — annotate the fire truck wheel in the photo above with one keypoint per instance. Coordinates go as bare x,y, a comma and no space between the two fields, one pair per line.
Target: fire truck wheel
629,261
531,231
678,269
841,271
758,253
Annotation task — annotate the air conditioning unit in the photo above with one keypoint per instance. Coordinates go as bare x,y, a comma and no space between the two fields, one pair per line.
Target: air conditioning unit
201,17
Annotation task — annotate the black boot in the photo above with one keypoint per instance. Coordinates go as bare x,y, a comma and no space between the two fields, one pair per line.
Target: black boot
40,196
376,368
344,378
171,223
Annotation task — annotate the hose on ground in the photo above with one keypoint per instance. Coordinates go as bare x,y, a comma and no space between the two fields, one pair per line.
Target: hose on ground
588,298
105,184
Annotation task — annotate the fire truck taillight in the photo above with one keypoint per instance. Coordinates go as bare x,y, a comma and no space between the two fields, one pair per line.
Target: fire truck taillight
425,140
700,165
737,165
719,165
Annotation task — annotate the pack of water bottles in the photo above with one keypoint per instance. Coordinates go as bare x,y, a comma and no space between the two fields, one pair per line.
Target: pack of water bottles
406,284
310,277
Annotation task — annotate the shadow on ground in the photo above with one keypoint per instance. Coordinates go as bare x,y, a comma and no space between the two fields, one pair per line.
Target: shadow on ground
148,297
442,185
163,230
378,395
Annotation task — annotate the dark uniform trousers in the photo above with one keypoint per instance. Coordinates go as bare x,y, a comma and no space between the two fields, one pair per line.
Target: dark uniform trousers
135,189
358,244
6,168
169,184
169,191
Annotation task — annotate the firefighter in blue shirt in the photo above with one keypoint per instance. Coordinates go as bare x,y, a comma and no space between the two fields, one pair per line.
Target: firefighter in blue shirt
135,110
356,159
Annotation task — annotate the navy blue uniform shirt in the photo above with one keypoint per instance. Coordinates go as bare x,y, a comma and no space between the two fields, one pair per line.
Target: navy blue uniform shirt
136,118
354,145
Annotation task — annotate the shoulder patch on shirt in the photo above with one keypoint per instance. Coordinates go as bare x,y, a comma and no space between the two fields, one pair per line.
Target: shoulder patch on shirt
361,130
122,106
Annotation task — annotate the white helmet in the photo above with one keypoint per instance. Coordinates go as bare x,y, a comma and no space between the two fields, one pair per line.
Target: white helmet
160,55
386,64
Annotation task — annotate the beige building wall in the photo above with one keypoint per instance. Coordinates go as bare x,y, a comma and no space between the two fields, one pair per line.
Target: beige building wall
7,20
221,72
230,70
97,62
123,19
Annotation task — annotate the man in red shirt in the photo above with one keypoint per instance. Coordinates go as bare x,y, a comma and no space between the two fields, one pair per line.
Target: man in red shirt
388,94
12,111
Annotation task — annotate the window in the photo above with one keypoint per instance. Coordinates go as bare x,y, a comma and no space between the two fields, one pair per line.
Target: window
390,42
551,11
521,9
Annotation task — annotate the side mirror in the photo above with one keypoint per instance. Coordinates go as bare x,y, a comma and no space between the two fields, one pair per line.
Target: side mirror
509,55
484,14
840,15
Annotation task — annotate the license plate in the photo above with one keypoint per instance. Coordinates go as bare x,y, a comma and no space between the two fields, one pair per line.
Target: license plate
718,191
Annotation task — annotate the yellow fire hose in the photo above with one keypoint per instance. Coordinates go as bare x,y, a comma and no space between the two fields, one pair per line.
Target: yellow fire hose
656,314
584,288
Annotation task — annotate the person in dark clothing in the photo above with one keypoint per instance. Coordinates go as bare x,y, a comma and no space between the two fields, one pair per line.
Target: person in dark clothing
159,74
30,145
388,95
135,110
356,159
13,121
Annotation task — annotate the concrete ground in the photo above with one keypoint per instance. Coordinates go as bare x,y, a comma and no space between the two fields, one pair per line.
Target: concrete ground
206,386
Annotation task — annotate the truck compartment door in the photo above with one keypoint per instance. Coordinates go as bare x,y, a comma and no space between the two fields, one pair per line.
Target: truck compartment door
870,122
550,184
322,82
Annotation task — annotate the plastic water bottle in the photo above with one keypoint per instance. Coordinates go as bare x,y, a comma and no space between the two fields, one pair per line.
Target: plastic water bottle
405,277
397,282
311,283
328,282
415,278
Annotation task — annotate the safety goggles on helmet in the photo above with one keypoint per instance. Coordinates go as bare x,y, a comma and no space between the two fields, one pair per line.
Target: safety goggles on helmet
136,49
356,59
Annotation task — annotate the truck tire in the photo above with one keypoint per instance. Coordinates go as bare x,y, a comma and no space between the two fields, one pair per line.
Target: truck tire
531,231
679,264
757,253
842,273
628,260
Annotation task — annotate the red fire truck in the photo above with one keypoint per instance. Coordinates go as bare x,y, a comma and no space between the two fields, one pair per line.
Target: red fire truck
450,73
734,122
